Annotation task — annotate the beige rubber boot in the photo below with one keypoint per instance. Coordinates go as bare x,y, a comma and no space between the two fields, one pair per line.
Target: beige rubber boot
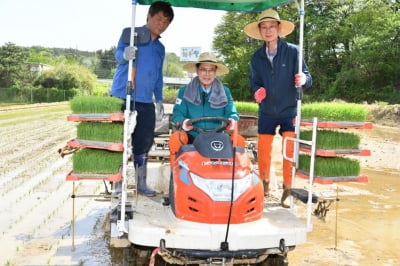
266,187
285,195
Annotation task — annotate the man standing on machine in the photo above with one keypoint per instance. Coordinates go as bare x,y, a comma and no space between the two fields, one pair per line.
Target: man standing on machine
147,78
273,80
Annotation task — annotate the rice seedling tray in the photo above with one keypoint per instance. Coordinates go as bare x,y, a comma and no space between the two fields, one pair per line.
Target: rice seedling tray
96,161
100,131
338,124
95,104
96,117
95,144
336,152
117,177
332,179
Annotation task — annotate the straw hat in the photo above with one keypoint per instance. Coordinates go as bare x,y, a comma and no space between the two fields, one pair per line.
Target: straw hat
208,58
252,30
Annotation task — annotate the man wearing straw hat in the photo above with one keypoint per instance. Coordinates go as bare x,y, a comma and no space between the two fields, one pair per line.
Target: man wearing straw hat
273,79
205,95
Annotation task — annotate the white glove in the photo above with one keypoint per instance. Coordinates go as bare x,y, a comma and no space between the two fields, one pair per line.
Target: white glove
159,110
129,53
187,126
231,125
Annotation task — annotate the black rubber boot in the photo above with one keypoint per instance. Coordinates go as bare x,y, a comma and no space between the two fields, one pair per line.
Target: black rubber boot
285,195
266,188
140,162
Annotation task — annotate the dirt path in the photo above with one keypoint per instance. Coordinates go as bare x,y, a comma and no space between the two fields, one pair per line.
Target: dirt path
35,226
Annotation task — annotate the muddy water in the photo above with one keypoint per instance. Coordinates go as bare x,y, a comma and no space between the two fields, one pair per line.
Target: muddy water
363,227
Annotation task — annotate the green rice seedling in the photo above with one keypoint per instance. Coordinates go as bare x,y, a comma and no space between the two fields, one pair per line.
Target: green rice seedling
248,108
101,131
330,166
169,95
333,139
327,111
96,161
95,104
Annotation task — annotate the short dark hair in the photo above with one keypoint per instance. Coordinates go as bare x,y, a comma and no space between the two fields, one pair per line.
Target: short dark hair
163,6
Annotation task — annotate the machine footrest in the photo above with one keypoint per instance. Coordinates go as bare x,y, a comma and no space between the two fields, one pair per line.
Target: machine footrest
302,195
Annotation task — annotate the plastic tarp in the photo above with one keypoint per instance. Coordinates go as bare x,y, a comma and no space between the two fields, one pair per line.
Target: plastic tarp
227,5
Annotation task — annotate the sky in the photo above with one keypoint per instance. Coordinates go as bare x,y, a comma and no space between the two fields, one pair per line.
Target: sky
91,25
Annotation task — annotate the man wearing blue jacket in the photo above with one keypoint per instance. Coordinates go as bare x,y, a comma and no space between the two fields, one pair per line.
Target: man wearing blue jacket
273,80
147,78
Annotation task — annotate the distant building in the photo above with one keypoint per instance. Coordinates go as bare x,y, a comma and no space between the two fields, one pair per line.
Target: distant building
175,83
38,68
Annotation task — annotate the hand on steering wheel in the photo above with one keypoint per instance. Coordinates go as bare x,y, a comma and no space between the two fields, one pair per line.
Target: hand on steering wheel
224,123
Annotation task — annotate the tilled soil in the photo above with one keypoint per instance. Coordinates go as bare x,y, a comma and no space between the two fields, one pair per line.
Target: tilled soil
36,204
35,197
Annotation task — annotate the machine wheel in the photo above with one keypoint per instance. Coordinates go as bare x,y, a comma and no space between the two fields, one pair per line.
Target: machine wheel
121,256
126,257
275,260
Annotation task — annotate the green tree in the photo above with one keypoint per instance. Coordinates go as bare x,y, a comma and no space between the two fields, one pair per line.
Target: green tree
172,66
41,56
371,69
68,77
13,70
353,49
104,64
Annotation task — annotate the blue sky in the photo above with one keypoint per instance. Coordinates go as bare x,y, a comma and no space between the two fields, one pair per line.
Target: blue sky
91,25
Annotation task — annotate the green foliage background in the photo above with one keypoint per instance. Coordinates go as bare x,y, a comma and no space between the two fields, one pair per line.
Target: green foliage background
351,47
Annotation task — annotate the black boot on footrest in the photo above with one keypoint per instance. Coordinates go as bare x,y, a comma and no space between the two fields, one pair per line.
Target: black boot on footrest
140,162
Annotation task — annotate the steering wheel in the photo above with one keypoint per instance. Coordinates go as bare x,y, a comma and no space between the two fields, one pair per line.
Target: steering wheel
224,124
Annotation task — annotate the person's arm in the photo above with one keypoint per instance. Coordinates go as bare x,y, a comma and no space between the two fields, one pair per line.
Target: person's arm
180,110
158,91
256,81
119,52
230,108
305,71
257,87
125,51
308,75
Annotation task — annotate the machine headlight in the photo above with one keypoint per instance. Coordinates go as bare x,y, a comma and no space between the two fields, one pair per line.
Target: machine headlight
220,190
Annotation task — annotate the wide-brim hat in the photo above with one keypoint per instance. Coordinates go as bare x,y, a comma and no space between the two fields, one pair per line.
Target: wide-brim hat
252,29
208,58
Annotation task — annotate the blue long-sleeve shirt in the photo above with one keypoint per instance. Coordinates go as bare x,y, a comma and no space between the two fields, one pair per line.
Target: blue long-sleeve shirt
148,78
278,80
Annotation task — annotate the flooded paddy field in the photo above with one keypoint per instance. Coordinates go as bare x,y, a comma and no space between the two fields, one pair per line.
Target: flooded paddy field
362,228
